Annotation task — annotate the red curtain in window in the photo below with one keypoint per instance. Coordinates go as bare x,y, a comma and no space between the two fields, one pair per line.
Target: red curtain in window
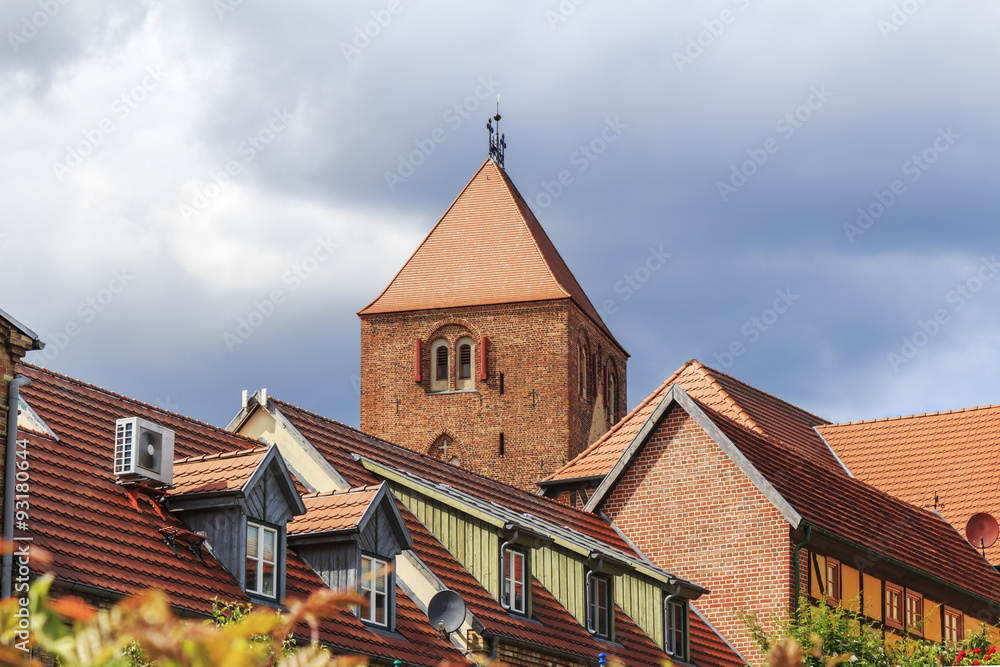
416,361
482,358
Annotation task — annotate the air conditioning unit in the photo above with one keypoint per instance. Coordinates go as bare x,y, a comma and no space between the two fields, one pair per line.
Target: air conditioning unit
144,449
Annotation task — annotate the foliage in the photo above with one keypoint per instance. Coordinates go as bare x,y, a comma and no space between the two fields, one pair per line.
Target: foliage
828,634
142,629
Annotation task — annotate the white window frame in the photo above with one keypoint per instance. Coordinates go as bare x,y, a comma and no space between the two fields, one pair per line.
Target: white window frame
509,582
440,384
594,609
672,636
373,571
257,586
469,382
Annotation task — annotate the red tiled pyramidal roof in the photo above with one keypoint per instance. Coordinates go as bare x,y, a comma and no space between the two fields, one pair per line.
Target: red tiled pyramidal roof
488,248
213,473
329,512
944,459
748,406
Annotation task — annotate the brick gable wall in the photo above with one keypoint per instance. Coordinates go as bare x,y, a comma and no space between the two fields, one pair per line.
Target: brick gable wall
694,513
534,344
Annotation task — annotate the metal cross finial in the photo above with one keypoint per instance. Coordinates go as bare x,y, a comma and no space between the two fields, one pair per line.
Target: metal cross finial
497,141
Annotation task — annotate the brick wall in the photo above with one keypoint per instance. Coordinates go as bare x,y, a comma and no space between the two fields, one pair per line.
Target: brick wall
695,514
533,344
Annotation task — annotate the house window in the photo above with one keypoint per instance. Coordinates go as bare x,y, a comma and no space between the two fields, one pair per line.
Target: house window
375,588
515,581
440,370
893,606
466,365
915,612
599,607
954,630
832,580
675,626
262,543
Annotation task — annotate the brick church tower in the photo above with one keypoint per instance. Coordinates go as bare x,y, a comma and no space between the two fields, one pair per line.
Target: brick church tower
484,351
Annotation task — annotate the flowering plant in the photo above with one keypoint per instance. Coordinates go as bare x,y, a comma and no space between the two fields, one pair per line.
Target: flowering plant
976,656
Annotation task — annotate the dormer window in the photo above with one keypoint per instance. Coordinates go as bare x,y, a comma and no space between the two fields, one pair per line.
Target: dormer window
466,369
515,581
440,365
375,586
261,559
599,607
675,627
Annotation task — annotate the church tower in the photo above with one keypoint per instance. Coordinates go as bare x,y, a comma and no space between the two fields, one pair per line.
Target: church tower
484,350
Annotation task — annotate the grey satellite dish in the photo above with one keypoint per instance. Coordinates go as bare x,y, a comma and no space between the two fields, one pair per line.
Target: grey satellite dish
446,607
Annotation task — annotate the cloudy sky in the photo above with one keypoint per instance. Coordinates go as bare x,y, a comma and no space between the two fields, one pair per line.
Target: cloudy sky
199,196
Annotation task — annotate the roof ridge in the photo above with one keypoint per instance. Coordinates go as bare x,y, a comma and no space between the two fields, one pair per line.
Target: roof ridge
526,494
221,455
939,413
768,394
619,424
729,400
127,399
342,492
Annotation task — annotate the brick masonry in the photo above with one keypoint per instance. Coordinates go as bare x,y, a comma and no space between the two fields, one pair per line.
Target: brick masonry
534,344
696,514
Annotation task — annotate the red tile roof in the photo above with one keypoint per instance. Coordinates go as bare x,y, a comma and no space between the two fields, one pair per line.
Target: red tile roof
214,473
943,455
488,248
335,511
84,519
746,405
707,647
864,515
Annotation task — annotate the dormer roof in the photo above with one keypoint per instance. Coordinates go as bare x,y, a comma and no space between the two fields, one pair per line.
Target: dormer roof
348,512
488,248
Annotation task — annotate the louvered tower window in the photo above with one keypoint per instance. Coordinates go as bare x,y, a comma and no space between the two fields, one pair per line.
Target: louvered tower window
442,363
466,363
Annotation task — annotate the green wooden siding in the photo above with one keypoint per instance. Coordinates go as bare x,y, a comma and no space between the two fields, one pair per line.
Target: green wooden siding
476,544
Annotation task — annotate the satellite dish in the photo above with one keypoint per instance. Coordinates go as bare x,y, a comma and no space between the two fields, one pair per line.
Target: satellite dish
982,530
446,607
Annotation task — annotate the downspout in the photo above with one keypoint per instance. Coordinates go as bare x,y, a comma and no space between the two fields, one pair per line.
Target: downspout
503,566
10,461
795,566
666,610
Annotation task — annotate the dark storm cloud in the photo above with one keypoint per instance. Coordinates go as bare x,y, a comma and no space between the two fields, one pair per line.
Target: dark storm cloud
748,136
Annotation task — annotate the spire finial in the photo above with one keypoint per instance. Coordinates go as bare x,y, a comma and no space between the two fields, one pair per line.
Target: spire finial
497,142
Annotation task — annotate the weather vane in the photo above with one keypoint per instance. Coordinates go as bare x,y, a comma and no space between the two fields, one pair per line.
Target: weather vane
497,143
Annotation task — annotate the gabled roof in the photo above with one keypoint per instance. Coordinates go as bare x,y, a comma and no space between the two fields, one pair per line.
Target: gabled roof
102,545
754,409
349,512
488,248
942,459
840,506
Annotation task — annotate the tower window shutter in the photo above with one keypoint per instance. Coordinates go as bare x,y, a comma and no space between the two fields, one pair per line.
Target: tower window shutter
482,358
417,361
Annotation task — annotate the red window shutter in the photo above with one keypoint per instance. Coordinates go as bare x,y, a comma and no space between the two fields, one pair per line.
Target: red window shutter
416,362
482,358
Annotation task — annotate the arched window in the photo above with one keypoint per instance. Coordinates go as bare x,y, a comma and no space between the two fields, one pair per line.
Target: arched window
584,371
612,396
466,364
440,365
